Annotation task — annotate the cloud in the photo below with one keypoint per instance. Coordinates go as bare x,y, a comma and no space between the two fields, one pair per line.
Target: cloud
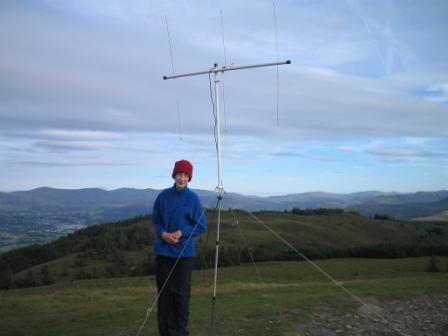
64,146
82,80
109,79
404,153
415,141
437,93
73,164
304,155
79,134
379,24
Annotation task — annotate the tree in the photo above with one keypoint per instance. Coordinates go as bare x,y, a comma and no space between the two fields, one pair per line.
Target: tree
82,274
433,265
148,266
30,280
79,262
7,279
46,279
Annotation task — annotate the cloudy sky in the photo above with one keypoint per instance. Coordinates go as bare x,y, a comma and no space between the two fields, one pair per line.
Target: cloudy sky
363,106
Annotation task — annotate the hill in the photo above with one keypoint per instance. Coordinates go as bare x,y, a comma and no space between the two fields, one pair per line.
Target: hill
44,214
124,248
401,209
438,217
412,198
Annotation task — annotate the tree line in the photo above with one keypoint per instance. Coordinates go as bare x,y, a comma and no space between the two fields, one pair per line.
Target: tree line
101,242
101,251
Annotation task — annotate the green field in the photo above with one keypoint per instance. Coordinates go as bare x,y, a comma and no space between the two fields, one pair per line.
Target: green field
287,294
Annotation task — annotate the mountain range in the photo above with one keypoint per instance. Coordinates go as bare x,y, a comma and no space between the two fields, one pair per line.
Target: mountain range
42,214
121,203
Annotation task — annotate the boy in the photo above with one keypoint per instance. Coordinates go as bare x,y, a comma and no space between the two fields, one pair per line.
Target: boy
177,216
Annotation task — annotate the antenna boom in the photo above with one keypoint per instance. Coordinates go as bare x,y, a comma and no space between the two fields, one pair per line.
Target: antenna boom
224,69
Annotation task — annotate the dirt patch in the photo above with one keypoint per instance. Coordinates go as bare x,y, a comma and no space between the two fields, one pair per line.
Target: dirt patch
425,315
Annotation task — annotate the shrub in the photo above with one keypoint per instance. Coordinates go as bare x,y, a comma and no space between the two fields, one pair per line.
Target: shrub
433,265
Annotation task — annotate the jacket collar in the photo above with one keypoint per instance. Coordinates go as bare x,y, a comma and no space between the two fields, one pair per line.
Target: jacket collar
181,191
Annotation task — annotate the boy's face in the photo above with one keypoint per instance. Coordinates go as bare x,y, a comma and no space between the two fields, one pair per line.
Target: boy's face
181,180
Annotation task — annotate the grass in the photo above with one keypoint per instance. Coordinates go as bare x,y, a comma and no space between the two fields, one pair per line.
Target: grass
344,230
289,293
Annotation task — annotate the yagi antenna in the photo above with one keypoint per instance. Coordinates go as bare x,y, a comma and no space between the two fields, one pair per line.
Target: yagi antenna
218,72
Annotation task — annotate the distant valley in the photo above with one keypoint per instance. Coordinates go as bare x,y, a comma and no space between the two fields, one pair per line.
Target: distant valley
43,214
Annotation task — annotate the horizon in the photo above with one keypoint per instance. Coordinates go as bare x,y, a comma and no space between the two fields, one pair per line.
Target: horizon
362,106
243,194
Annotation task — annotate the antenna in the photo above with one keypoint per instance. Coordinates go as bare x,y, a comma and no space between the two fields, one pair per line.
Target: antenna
172,69
218,72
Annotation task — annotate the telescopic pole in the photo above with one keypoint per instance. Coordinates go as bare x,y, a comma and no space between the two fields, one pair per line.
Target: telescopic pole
220,193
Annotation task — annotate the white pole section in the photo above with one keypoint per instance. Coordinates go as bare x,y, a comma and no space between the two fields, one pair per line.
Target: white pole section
219,187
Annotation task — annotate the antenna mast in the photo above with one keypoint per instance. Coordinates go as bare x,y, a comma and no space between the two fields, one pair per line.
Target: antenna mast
218,72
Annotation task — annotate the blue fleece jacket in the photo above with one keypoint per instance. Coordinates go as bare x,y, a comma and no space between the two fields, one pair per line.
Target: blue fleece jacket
178,210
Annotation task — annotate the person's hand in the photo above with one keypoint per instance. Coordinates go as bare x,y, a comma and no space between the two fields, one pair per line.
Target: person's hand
177,234
170,238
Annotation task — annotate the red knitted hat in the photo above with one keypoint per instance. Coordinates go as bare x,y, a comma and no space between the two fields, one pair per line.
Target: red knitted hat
183,166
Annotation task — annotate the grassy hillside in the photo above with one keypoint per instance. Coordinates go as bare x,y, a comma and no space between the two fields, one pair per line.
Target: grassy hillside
439,217
399,210
289,293
124,248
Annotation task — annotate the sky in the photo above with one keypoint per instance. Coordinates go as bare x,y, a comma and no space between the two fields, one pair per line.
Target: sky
362,106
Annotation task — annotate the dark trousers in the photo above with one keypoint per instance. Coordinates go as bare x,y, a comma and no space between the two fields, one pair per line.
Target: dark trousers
174,298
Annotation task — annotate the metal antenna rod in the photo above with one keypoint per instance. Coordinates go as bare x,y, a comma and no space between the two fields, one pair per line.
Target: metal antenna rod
220,188
224,69
220,194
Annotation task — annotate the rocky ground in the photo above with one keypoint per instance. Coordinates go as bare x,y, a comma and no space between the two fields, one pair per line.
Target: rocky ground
420,316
